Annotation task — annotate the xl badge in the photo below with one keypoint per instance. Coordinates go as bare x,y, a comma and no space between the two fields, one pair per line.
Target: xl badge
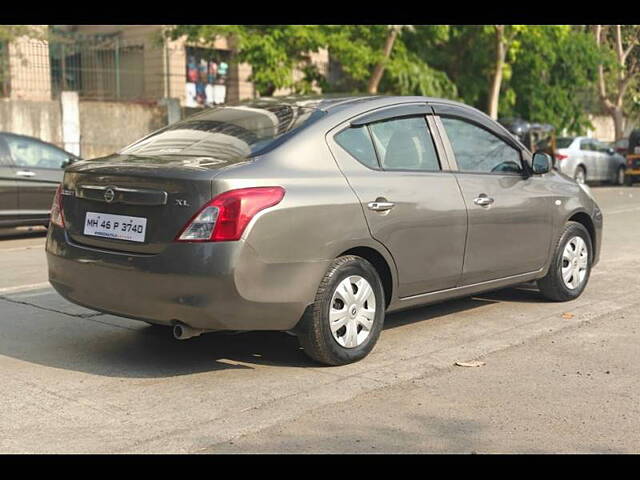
181,203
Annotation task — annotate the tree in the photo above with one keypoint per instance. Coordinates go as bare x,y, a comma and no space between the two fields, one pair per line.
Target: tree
378,70
376,58
615,77
504,40
553,77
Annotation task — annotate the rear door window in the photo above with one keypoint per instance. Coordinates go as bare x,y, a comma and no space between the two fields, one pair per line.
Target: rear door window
405,144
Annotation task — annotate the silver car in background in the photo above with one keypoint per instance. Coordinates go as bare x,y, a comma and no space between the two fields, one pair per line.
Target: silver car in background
586,159
317,217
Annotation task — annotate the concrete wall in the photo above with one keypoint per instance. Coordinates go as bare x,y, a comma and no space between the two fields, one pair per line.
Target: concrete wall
604,130
105,127
37,119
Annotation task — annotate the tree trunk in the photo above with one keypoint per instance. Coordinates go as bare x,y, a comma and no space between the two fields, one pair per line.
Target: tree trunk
374,81
618,122
496,83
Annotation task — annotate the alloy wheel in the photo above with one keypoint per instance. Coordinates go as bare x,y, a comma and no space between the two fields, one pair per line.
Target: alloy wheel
352,311
575,261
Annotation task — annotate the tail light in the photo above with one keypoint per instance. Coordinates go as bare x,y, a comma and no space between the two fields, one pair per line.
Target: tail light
57,217
226,216
560,156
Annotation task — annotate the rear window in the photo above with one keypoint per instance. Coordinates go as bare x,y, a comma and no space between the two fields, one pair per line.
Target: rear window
564,142
227,132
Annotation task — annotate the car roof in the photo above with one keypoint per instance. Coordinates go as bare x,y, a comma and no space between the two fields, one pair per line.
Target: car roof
334,103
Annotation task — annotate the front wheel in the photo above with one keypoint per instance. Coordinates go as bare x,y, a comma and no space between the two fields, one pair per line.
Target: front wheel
570,266
620,177
344,323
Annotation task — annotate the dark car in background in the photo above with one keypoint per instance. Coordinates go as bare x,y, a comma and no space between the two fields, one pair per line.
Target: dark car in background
30,172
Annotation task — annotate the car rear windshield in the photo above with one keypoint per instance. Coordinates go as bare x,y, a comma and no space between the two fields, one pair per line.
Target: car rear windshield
227,132
564,142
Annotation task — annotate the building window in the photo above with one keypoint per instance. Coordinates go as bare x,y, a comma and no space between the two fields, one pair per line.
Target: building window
207,73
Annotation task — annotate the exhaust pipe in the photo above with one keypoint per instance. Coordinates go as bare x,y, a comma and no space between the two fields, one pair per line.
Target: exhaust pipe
183,332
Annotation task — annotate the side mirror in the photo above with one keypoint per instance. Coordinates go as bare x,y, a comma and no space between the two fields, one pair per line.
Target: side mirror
67,162
610,151
541,163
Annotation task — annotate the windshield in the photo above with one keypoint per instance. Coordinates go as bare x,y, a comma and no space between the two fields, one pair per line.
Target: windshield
564,142
226,132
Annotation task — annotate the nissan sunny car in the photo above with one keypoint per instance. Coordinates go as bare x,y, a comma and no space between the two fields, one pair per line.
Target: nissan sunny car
316,217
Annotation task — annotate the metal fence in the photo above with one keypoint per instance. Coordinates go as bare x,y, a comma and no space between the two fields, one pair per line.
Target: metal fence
99,67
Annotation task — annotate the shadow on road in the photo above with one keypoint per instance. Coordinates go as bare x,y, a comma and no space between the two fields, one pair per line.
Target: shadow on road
22,232
100,346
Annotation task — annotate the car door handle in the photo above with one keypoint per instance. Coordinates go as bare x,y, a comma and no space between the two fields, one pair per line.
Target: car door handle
380,206
25,173
483,200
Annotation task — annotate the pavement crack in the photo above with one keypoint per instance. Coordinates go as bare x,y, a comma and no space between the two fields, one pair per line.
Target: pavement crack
29,304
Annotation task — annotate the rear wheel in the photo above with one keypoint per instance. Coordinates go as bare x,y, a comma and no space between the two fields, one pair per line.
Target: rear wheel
344,323
570,266
620,177
581,175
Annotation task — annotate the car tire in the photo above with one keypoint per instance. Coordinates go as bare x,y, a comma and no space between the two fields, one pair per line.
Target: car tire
628,180
342,327
581,175
570,266
620,176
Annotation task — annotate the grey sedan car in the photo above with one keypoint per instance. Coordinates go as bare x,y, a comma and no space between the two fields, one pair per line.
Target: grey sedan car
316,217
30,172
587,159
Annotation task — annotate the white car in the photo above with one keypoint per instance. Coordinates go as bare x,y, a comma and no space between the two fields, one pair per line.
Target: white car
587,159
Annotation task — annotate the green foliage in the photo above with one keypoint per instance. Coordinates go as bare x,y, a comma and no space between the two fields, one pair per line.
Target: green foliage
553,77
549,75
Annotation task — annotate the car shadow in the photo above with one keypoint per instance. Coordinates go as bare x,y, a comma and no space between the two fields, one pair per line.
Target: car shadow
133,349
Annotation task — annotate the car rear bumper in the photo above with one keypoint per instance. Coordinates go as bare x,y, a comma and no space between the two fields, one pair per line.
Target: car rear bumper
216,286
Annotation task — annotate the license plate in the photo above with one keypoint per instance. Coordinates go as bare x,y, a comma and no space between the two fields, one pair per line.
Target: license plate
121,227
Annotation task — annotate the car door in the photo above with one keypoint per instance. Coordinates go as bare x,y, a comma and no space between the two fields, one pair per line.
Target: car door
509,229
409,196
590,158
8,184
607,165
39,168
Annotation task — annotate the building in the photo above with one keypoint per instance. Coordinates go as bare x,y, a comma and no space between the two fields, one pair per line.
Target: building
128,63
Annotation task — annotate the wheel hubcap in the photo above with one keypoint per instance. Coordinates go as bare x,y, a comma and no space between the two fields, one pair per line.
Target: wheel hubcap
352,311
580,176
575,261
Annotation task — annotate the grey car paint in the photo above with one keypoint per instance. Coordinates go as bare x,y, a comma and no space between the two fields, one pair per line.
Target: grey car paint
26,192
600,163
434,246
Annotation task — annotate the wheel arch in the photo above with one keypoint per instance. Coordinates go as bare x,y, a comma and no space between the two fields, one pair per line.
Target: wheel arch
380,263
585,220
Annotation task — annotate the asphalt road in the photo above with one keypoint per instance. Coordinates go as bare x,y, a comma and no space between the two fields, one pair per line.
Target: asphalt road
557,377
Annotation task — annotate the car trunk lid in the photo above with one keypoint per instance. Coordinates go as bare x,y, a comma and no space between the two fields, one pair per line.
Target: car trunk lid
161,193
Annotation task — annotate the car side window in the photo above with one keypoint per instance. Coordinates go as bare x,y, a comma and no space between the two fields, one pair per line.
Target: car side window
586,146
477,150
405,144
31,154
357,141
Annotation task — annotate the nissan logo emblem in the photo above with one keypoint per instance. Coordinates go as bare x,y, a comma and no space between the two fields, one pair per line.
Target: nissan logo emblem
109,195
